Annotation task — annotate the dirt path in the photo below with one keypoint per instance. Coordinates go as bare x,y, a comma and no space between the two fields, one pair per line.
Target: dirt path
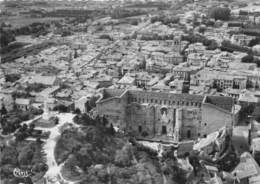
54,175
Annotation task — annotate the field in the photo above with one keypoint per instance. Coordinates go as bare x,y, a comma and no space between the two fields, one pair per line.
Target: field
19,21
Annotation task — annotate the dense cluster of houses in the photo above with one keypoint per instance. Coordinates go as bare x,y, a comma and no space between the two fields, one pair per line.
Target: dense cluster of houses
147,77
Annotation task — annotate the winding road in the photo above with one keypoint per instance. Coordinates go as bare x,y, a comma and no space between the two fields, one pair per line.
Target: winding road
53,175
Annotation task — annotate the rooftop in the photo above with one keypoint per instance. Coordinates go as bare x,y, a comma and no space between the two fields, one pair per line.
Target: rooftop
22,101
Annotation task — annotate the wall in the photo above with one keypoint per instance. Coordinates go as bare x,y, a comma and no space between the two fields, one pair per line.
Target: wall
165,117
214,118
176,100
142,116
160,113
191,119
113,110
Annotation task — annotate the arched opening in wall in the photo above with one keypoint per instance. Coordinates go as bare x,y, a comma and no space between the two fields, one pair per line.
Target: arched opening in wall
164,110
188,134
164,130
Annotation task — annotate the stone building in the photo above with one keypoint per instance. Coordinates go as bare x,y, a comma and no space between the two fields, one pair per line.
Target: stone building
173,116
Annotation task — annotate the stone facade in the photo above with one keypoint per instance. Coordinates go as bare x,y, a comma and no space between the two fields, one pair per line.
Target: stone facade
175,116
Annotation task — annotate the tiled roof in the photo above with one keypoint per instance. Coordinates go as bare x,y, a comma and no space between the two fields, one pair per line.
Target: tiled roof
247,167
126,80
47,80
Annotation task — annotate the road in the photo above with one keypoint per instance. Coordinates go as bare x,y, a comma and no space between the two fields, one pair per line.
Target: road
53,175
240,139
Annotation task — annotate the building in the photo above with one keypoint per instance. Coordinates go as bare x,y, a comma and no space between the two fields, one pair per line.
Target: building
183,70
23,104
247,170
255,147
170,58
221,79
165,114
196,48
241,39
228,81
45,80
81,104
126,81
196,59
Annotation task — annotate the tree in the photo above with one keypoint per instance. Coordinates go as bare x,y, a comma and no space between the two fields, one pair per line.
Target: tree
12,77
61,108
75,54
134,22
220,13
248,59
254,42
124,156
105,121
37,87
6,36
8,156
144,134
106,36
257,61
245,111
32,126
3,110
77,111
202,29
111,130
213,45
38,140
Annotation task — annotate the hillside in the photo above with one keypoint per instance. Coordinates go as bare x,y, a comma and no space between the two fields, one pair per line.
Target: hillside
93,155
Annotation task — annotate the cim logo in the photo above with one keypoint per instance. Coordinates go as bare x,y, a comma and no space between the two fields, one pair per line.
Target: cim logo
21,174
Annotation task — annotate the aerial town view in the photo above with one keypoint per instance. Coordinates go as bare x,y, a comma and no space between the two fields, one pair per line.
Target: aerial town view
130,92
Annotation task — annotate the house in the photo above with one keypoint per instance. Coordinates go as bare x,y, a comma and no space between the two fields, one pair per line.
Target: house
234,93
126,81
183,70
248,98
228,81
196,48
81,104
68,104
221,79
23,104
103,80
233,26
157,67
170,58
160,86
255,147
241,39
45,80
196,59
177,85
141,78
247,171
48,92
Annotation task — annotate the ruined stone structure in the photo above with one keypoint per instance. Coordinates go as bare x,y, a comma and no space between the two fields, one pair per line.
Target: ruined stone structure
175,116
